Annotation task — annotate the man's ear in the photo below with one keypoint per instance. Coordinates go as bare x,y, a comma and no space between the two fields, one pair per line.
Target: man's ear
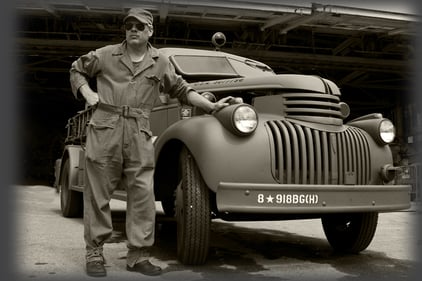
150,31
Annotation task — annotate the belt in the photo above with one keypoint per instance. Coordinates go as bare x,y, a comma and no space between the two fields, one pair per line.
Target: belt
124,110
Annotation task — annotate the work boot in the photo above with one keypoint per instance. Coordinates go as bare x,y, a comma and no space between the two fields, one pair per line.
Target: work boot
145,267
95,263
96,268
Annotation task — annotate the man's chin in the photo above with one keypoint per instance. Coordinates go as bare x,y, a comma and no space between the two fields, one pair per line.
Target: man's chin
134,42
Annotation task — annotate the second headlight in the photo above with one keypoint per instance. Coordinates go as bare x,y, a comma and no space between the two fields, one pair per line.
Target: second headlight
387,131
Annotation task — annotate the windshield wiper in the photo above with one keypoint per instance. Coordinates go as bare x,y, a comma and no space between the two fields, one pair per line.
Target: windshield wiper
258,65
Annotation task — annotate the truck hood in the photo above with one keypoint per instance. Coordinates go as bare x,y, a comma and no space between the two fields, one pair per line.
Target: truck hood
292,82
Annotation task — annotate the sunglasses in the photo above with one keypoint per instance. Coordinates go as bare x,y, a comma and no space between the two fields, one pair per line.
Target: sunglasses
139,26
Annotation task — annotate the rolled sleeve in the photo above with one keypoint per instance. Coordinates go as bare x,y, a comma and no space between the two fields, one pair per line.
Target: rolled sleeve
82,70
176,86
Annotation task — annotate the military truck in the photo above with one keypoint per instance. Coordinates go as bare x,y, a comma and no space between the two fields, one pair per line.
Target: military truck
284,153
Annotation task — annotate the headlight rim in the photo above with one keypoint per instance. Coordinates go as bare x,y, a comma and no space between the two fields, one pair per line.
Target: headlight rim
234,123
380,133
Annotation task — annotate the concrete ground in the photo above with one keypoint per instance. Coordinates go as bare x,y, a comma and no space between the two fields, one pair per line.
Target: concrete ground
51,247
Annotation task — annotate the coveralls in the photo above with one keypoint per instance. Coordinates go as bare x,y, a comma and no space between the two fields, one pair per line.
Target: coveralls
119,148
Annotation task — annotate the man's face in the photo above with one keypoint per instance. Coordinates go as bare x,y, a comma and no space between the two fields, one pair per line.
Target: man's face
137,33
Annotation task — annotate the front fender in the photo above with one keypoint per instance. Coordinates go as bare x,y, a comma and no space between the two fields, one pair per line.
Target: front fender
219,154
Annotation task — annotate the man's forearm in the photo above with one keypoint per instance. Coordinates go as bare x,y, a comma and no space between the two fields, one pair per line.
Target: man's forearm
197,100
90,96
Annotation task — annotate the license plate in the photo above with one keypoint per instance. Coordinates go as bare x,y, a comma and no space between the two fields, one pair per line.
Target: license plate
287,199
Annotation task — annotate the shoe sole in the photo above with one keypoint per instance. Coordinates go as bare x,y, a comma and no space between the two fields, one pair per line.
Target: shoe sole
144,273
97,274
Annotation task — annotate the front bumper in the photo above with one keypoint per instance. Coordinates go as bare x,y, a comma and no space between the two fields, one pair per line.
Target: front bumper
310,199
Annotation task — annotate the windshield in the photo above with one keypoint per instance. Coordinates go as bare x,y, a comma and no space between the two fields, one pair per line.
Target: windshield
218,66
202,65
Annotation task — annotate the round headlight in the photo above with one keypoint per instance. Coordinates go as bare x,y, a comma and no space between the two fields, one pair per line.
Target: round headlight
209,96
387,131
245,119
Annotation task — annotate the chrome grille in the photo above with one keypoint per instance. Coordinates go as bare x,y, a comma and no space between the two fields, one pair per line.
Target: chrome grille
302,155
313,107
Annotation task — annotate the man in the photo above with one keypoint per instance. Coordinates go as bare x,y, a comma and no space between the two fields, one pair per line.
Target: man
119,147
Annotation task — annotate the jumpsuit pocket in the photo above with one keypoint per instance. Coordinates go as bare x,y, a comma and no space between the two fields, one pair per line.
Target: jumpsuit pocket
103,124
100,137
103,119
147,149
147,90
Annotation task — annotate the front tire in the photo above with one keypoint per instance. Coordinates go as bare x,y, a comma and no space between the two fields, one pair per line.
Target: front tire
71,201
193,213
350,233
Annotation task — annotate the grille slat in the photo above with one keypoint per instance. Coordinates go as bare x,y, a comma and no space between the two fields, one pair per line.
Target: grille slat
352,147
334,161
310,152
359,155
340,153
363,152
305,111
295,152
326,164
304,155
314,107
287,152
278,151
318,162
367,156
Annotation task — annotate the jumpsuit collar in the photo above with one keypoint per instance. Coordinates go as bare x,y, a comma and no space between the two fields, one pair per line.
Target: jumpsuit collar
149,59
